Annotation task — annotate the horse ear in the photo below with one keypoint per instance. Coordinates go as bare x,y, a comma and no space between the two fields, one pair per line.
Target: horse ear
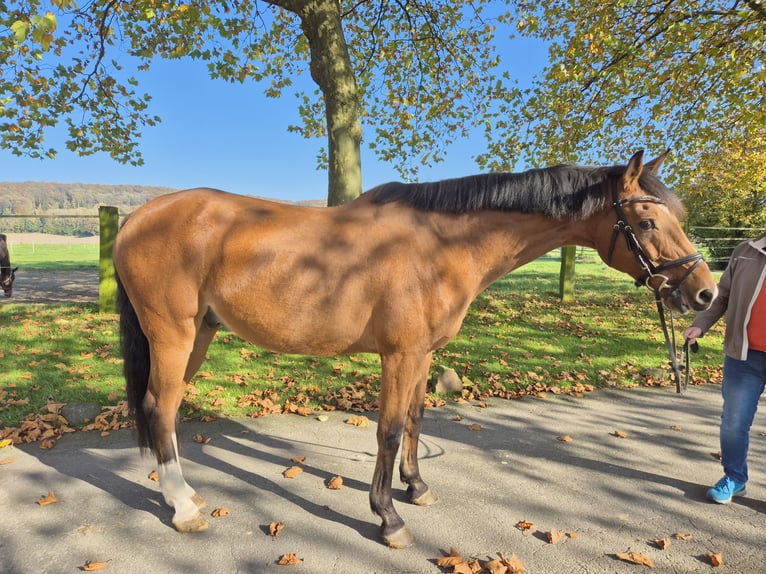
654,165
635,166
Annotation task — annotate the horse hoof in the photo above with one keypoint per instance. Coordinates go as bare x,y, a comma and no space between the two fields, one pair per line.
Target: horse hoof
425,499
399,539
196,524
198,500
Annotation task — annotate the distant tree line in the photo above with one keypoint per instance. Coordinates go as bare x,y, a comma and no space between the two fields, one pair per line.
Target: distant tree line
52,207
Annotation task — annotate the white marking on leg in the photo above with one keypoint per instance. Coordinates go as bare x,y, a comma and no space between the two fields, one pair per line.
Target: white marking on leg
177,493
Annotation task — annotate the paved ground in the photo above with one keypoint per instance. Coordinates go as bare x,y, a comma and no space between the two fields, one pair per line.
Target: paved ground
616,494
54,287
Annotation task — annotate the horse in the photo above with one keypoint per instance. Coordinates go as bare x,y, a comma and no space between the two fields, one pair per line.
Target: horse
7,273
392,272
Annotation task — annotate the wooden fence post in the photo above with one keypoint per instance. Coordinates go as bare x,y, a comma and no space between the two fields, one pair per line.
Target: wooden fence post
109,221
566,277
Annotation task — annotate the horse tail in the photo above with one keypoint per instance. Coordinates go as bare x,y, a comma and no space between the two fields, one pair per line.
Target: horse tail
136,363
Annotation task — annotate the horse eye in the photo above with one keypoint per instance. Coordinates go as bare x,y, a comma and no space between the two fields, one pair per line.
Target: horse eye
647,224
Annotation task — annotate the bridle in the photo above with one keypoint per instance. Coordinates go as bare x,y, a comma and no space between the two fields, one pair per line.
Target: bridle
651,270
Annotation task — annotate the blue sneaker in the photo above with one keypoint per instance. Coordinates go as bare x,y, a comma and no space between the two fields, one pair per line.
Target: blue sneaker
725,489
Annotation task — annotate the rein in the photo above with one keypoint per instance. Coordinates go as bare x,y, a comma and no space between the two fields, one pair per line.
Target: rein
650,272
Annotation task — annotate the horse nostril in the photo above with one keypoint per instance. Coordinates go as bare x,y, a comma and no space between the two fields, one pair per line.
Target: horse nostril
705,296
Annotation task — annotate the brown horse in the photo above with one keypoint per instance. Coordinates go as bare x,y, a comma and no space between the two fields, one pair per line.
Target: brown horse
7,273
391,273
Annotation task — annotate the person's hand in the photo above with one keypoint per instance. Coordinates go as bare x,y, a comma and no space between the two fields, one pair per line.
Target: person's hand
691,334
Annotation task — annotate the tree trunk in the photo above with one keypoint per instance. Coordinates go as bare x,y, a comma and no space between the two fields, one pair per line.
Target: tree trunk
331,69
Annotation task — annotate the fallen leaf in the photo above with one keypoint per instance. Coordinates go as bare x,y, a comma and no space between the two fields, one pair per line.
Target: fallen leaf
676,427
474,427
682,536
48,444
453,559
8,460
635,558
6,442
716,558
495,567
467,568
323,418
298,459
154,476
523,525
555,536
572,535
218,512
292,472
360,421
201,439
619,434
513,564
46,500
94,565
275,528
565,438
662,543
289,560
335,483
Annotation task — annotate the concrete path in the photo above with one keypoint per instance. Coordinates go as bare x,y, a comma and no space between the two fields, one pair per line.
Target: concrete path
615,494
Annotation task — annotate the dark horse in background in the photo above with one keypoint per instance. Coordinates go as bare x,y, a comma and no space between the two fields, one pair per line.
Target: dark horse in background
7,273
391,273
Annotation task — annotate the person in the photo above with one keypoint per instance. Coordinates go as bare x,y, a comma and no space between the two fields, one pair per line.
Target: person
742,298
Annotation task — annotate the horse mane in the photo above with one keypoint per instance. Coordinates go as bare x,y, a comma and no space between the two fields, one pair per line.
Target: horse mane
561,192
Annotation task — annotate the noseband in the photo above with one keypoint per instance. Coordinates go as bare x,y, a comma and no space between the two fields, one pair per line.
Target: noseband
651,270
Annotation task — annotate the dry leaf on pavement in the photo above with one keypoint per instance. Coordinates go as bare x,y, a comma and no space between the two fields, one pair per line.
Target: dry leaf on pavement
716,558
335,483
565,438
292,472
635,558
218,512
275,528
289,560
94,565
453,559
682,536
555,536
49,499
662,543
360,421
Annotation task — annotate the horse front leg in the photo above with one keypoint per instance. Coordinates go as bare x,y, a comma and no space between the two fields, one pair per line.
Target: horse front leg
161,403
401,374
417,490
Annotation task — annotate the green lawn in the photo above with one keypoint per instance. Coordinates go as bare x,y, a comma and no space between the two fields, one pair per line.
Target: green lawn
518,339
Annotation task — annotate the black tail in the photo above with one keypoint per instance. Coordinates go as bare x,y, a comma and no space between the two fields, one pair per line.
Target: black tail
136,363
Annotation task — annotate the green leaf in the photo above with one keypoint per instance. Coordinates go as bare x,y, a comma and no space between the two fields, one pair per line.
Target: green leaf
20,30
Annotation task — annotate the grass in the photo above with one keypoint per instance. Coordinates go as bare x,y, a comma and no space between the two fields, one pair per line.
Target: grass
43,256
518,338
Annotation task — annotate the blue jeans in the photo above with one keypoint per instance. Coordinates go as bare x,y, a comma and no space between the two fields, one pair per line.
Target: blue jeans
743,384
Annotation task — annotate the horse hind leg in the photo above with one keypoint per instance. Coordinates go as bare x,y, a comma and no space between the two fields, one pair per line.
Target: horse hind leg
161,403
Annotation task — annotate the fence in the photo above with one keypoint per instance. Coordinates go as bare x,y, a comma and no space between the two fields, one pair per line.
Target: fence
718,242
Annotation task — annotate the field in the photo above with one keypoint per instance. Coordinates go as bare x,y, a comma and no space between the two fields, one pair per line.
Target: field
518,339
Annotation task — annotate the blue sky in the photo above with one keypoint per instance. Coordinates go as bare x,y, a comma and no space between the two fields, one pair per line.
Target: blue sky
232,137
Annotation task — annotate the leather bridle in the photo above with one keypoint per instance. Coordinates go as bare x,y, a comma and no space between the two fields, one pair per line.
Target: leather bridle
652,270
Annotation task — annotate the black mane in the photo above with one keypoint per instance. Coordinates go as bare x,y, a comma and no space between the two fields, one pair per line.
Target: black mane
560,192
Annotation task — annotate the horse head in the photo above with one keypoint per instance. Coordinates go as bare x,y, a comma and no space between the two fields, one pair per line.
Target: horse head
647,242
6,280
